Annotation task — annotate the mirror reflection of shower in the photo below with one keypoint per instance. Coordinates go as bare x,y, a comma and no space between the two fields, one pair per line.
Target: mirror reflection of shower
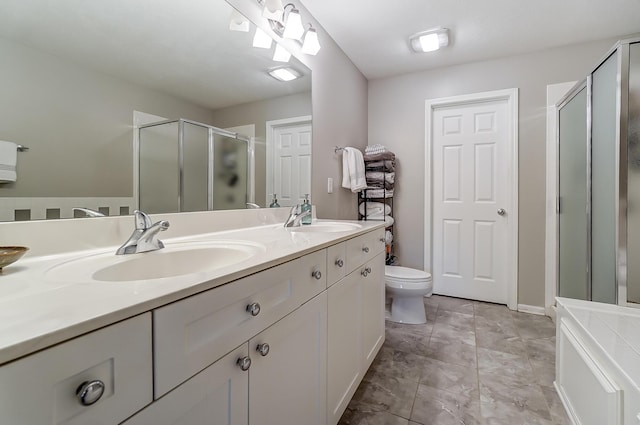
189,166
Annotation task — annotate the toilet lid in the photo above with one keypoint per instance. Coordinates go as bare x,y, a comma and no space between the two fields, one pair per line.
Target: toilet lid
405,273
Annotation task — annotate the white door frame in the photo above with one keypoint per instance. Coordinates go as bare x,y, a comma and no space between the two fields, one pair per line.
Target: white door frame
555,92
511,96
270,151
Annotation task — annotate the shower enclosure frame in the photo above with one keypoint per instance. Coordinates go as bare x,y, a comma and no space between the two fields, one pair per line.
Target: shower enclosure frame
211,132
621,50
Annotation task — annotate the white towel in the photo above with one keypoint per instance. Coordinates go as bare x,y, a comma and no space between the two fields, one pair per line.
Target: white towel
353,170
8,159
375,208
373,149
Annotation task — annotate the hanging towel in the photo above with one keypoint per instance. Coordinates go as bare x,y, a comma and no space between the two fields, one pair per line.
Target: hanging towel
353,170
8,159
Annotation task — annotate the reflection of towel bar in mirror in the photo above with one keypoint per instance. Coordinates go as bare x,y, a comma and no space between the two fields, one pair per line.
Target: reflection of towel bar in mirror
22,148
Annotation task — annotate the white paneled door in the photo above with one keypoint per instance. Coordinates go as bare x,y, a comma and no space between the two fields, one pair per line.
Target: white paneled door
289,146
471,199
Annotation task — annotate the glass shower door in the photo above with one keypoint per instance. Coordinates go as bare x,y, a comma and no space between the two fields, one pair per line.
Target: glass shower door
573,218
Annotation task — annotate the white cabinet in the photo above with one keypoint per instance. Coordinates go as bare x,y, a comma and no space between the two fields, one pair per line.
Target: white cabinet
363,248
356,331
191,334
288,372
336,263
218,395
41,388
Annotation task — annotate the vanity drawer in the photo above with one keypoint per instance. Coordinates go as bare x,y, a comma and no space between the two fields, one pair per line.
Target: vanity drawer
41,388
363,248
191,334
336,263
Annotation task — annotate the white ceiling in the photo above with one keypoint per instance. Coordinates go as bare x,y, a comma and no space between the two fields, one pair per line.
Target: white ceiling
374,33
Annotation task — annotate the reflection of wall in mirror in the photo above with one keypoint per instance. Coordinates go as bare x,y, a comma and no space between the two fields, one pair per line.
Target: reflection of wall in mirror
258,113
77,123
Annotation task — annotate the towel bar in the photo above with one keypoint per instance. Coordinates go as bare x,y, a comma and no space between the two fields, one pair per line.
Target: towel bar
22,148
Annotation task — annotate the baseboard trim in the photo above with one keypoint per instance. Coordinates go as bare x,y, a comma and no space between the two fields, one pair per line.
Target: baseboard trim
531,309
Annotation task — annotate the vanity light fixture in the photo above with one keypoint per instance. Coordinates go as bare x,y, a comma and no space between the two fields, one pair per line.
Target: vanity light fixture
285,74
261,39
311,45
281,54
238,22
273,9
429,41
293,27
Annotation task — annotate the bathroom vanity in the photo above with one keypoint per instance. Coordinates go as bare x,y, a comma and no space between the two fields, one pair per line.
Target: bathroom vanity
598,362
283,333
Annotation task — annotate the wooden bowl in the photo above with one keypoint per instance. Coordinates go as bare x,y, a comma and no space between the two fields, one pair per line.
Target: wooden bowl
11,254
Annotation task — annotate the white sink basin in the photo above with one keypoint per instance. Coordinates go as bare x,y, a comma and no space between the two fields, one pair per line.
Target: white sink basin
177,259
326,227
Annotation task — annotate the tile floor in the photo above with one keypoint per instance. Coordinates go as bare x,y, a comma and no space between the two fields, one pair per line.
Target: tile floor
473,363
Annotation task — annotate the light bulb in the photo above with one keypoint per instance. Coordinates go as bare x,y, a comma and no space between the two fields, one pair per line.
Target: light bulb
429,42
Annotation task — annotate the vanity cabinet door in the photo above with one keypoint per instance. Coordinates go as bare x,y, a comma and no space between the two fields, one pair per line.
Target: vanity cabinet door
355,332
41,389
363,248
287,380
372,282
191,334
219,395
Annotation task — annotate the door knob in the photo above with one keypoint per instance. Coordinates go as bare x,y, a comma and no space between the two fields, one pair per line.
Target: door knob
501,211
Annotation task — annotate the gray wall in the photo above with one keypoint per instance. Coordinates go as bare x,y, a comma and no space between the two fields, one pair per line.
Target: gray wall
77,123
397,119
339,113
258,113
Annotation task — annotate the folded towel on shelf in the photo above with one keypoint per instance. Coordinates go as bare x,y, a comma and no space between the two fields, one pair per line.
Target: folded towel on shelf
388,221
371,149
379,176
374,208
384,156
379,193
8,160
353,170
379,184
387,166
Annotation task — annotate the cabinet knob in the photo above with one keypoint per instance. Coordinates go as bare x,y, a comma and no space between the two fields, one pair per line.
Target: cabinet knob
263,349
339,262
253,309
364,273
365,249
317,274
368,269
90,391
244,363
383,240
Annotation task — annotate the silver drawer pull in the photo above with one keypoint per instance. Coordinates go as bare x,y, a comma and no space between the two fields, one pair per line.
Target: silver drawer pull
317,274
383,240
253,309
365,249
339,262
90,391
244,363
263,349
364,273
368,269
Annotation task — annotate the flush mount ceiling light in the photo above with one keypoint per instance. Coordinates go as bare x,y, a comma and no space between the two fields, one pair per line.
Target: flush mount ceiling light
429,41
281,54
285,74
261,39
311,45
238,22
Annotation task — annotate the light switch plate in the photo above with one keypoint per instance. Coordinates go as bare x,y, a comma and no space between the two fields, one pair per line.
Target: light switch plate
330,185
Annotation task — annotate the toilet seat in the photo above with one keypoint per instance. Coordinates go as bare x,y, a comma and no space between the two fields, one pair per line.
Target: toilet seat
405,288
406,274
404,284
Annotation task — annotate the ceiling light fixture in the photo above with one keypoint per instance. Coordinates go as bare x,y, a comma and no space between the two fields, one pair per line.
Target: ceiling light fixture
285,74
281,54
311,45
429,41
238,22
261,39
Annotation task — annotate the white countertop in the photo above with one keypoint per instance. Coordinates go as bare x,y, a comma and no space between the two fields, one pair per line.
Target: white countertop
614,329
36,312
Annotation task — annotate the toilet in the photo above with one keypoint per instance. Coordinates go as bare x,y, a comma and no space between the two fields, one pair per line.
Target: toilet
405,289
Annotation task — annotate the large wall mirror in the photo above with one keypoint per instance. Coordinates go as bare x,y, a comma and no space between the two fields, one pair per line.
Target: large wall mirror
78,77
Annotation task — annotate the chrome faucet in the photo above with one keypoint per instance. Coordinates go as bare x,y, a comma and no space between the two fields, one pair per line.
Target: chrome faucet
145,237
89,212
252,206
295,216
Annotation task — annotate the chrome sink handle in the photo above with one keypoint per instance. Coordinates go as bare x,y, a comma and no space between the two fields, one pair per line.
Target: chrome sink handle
145,236
295,216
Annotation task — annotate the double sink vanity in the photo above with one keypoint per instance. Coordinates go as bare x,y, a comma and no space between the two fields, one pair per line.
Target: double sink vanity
237,320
